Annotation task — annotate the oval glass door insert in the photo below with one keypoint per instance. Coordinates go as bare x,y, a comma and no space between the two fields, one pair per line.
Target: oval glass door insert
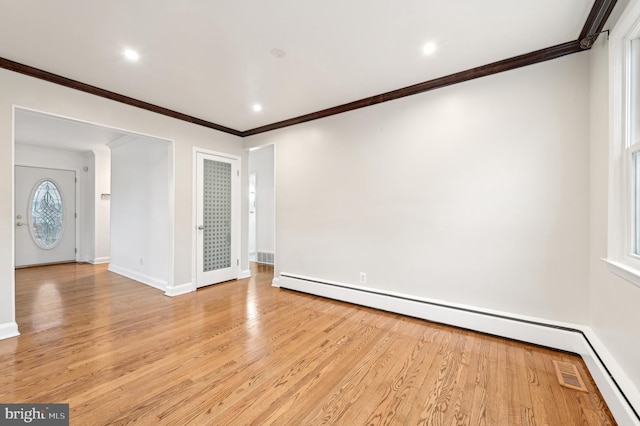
47,214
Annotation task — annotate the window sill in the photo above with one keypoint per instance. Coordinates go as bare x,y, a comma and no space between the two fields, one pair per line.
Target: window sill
626,272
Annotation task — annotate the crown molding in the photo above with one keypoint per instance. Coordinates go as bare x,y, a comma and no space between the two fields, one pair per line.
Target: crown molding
597,17
459,77
83,87
593,26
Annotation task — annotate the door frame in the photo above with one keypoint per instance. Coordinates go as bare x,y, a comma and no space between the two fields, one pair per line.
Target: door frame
252,225
236,218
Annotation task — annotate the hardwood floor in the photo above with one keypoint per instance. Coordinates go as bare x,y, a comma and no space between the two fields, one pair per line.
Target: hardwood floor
243,352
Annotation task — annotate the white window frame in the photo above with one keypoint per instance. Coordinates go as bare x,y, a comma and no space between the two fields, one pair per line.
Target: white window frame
621,245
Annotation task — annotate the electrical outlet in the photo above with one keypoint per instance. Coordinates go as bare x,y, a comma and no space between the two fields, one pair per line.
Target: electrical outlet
363,277
141,261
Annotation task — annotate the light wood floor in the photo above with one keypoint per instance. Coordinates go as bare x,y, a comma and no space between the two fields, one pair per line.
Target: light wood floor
243,352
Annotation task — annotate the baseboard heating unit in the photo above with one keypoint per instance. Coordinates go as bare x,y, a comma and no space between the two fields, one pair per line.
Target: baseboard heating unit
617,389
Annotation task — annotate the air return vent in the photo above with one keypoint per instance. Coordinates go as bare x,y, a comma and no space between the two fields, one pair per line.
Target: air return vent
568,376
265,257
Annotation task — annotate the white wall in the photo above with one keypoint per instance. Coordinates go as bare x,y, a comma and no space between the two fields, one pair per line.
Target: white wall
475,194
140,210
101,206
24,91
261,162
615,303
88,219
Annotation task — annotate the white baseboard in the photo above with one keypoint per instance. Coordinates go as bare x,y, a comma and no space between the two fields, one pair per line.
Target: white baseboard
100,260
145,279
611,376
177,290
617,389
9,329
244,274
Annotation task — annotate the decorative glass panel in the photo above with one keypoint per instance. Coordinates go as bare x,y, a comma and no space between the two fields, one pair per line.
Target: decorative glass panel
47,215
217,215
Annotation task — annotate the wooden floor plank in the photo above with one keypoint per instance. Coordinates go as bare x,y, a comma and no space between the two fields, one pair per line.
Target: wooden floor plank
244,352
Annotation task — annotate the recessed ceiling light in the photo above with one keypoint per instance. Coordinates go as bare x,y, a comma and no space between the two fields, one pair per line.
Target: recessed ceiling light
131,54
257,107
429,48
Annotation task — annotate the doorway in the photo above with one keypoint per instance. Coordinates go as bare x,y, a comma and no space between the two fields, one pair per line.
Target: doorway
252,217
262,204
143,174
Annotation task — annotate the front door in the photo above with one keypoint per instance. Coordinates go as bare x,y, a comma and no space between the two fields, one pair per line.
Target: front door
217,219
45,222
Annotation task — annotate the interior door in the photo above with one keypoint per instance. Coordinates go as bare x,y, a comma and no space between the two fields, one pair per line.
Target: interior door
45,222
217,219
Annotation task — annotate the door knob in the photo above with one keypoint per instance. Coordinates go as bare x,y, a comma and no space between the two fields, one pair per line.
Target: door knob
201,227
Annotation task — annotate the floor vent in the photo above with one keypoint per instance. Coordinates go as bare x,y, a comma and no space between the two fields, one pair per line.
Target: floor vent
265,257
568,376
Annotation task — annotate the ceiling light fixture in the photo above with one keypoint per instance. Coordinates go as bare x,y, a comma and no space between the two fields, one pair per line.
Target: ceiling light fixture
257,107
131,55
429,48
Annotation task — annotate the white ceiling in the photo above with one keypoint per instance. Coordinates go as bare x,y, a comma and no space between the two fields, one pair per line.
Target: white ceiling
211,59
47,131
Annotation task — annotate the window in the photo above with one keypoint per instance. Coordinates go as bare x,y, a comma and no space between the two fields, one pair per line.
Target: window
624,219
632,143
47,215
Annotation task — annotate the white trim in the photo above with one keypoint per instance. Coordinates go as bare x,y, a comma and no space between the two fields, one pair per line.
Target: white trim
8,330
171,273
100,260
275,213
621,208
12,279
275,282
557,335
177,290
137,276
244,274
624,271
602,372
216,153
